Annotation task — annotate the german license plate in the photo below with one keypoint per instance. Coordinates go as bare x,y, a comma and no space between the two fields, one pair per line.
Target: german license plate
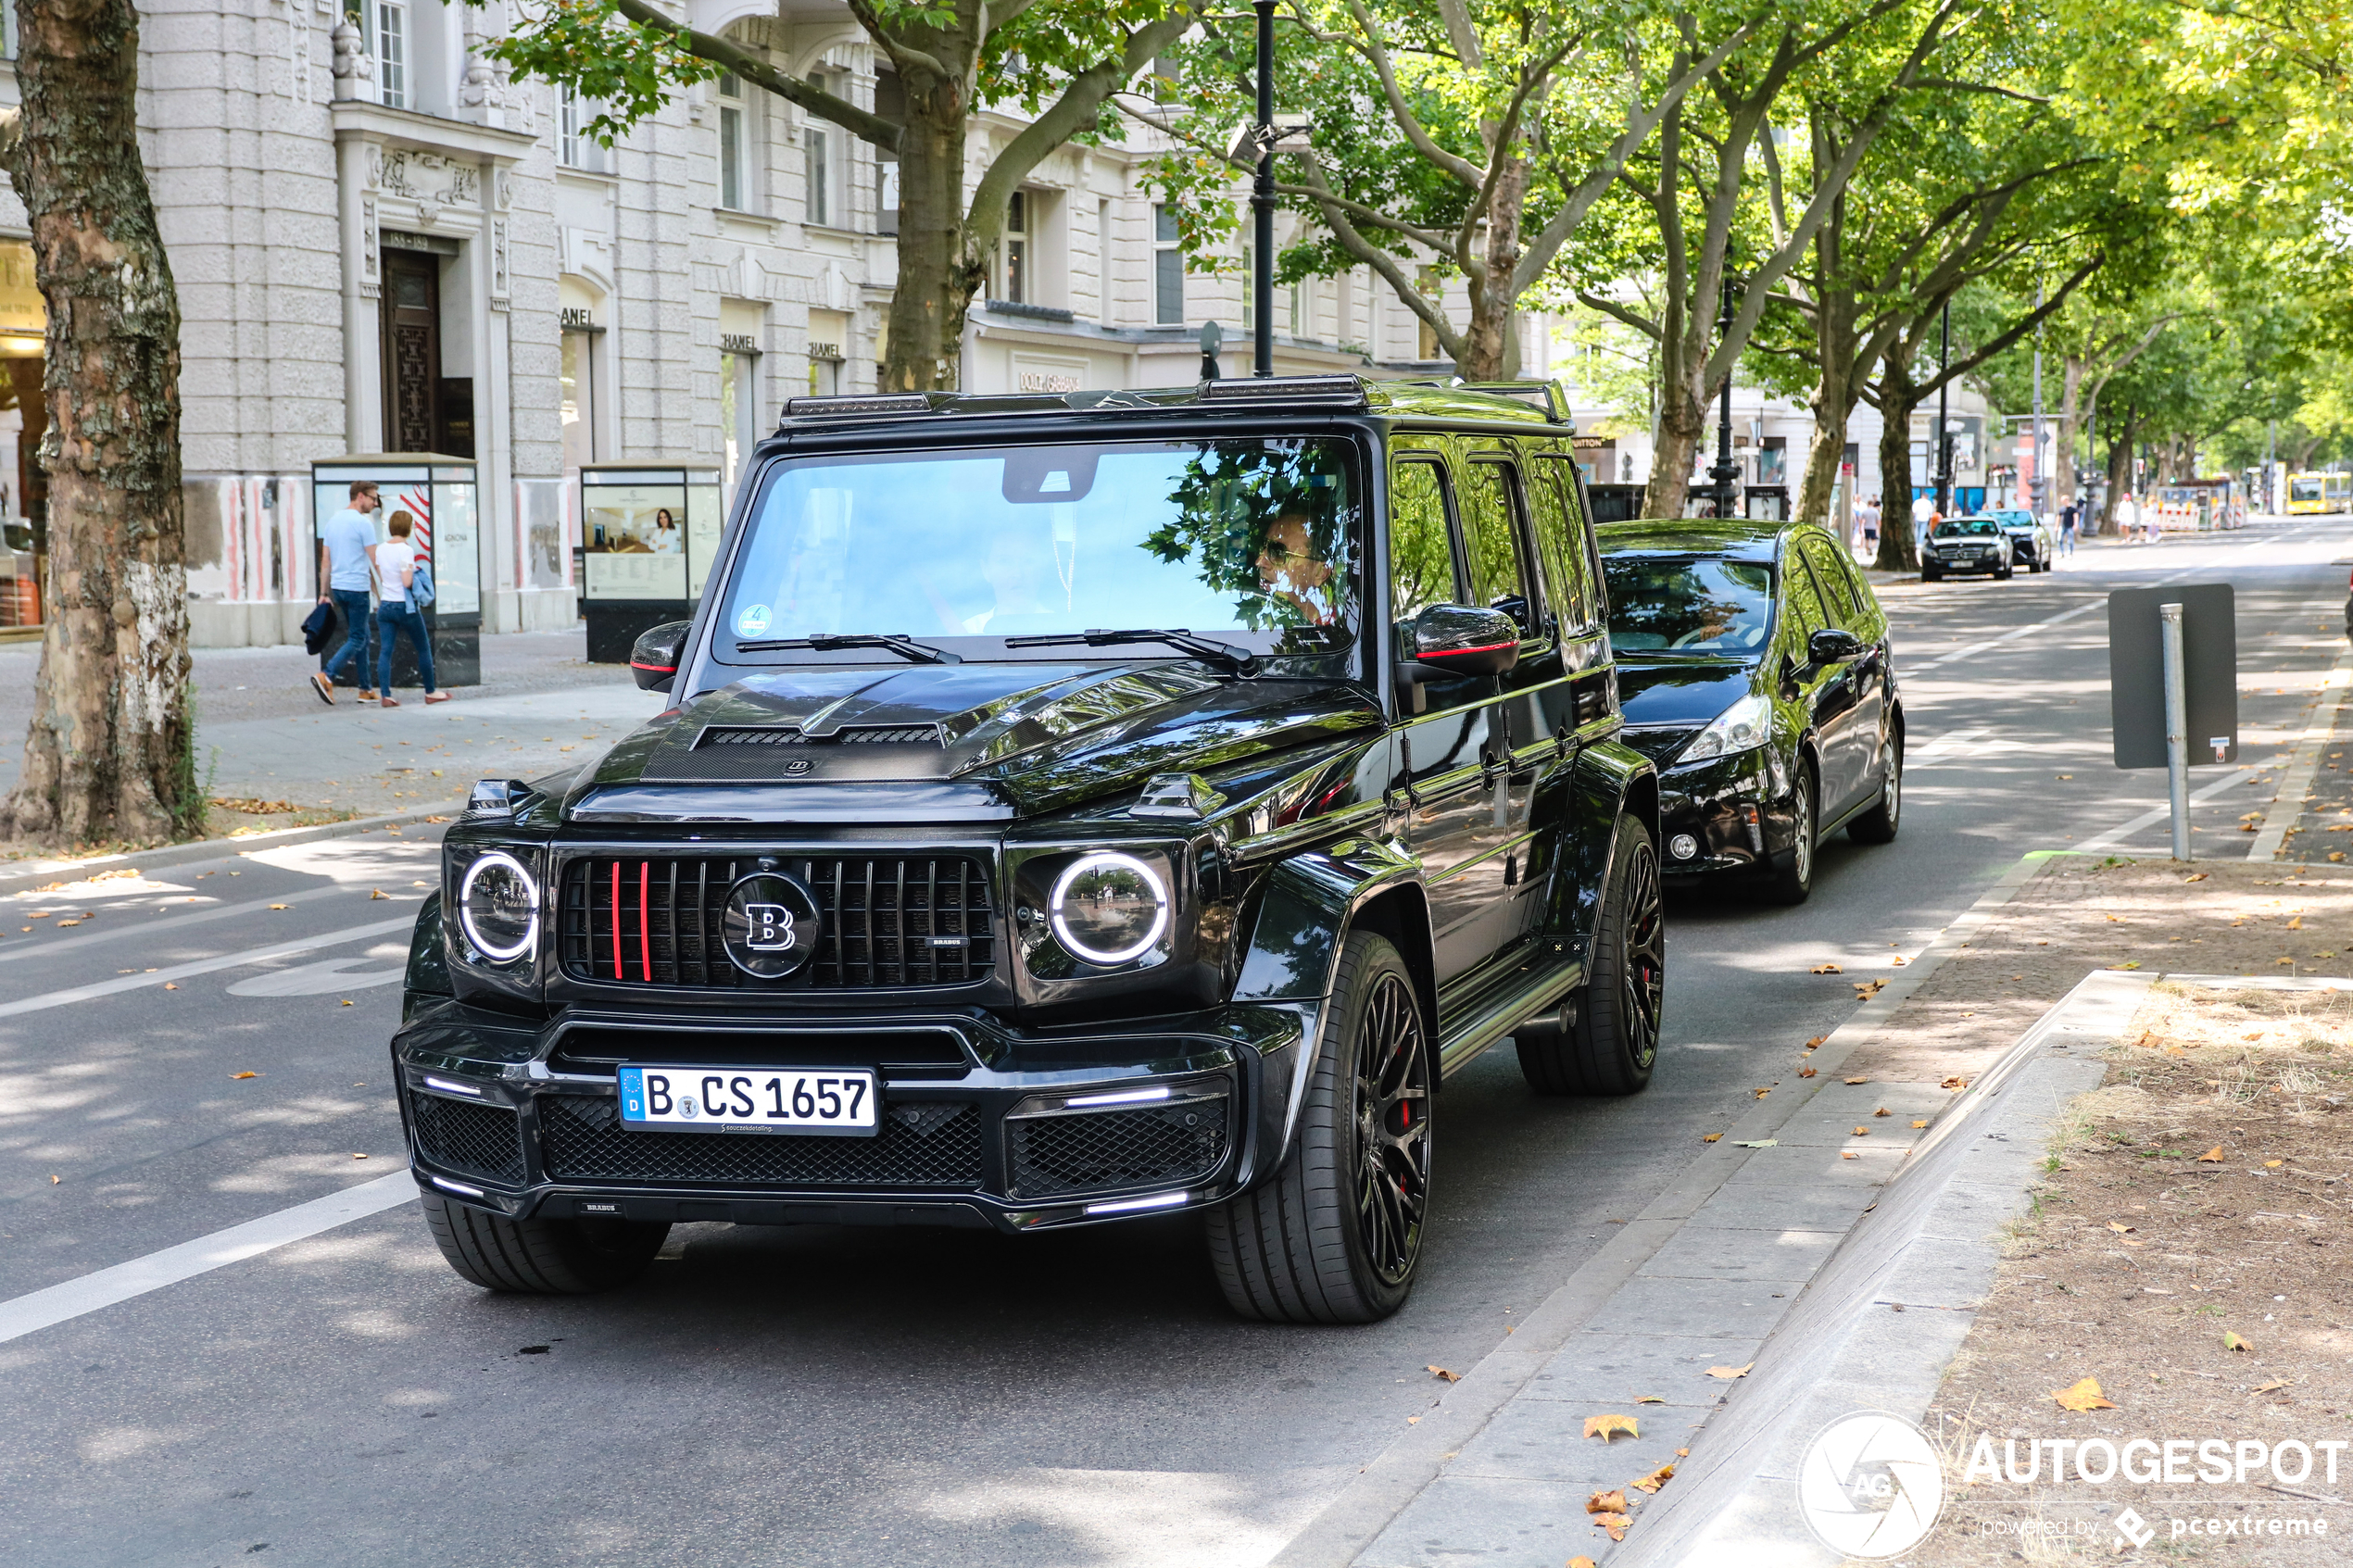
825,1101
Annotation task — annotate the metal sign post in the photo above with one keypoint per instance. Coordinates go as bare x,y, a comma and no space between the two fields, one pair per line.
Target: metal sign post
2172,662
2177,729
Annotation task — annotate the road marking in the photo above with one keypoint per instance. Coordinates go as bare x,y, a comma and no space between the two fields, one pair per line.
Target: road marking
149,929
48,1000
2287,804
1951,740
2083,608
2243,773
316,979
39,1308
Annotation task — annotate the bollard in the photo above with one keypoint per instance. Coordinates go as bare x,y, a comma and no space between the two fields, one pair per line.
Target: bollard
2177,728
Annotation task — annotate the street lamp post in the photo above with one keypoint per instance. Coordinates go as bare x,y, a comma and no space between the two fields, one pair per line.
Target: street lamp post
1262,200
1944,425
1726,470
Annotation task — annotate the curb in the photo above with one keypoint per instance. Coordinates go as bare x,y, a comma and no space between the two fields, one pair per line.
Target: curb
2288,803
1926,1244
1350,1522
43,873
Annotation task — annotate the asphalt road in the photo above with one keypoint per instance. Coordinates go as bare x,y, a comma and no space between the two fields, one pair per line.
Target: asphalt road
888,1397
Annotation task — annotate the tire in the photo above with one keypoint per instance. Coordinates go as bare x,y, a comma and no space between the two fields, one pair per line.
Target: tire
2001,574
1878,824
1794,883
1613,1043
1336,1236
1931,576
541,1257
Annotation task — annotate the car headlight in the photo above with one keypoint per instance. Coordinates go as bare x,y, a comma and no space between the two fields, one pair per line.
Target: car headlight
1108,908
1744,726
498,906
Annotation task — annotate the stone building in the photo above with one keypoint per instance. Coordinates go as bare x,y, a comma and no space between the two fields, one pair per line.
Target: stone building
383,243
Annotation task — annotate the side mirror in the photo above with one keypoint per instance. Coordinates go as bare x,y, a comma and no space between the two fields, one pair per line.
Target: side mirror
1831,646
1453,641
654,659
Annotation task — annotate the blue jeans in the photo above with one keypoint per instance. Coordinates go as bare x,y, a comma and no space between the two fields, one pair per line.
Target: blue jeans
352,605
393,617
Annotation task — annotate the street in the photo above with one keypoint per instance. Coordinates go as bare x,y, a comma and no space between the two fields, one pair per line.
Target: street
821,1395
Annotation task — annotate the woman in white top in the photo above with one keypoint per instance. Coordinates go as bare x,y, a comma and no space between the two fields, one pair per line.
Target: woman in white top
396,562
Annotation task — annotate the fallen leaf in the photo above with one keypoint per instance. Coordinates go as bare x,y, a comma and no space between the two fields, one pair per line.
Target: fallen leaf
2336,854
2296,924
171,985
2083,1396
1866,989
1883,1111
346,1001
1859,1080
2135,964
1604,1427
1614,1522
1606,1502
2261,1388
279,906
1413,1420
1762,1093
1582,1563
1862,1132
1826,969
2232,1342
1683,1453
376,892
54,1180
1710,1137
1806,1073
1649,1399
1848,1155
1728,1372
1918,1125
1817,1040
1449,1376
2270,1164
2118,1226
2195,876
244,1074
359,1156
1954,1084
63,924
1660,1477
2212,1156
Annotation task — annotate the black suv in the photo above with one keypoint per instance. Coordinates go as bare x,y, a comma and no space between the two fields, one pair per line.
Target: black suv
1073,807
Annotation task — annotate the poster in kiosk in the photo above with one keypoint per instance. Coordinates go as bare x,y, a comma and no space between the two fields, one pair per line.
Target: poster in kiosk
649,534
441,494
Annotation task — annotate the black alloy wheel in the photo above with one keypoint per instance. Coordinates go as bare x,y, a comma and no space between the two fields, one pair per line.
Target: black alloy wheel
1792,880
1878,824
1612,1046
1336,1233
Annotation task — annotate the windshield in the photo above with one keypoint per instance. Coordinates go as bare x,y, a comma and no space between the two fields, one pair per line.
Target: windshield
2304,489
1966,527
1254,539
1699,607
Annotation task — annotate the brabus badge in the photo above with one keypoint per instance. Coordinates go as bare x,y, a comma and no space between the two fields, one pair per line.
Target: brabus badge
770,926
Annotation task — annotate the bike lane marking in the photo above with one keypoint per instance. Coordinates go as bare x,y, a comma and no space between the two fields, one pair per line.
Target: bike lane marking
91,992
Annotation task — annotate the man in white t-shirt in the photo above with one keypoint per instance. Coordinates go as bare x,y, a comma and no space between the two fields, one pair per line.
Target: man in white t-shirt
395,561
344,546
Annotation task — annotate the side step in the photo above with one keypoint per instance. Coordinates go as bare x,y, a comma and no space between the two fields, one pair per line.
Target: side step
1526,994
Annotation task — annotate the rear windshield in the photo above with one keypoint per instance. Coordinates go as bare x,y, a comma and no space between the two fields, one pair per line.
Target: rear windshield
1688,606
1966,527
1254,540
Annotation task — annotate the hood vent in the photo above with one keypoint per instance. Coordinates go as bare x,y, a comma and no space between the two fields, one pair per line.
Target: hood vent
789,734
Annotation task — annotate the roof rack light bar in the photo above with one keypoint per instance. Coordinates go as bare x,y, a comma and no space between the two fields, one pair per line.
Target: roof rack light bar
874,403
1345,389
1546,394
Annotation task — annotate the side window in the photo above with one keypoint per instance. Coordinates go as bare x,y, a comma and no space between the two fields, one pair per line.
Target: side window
1490,539
1559,534
1421,558
1837,591
1807,611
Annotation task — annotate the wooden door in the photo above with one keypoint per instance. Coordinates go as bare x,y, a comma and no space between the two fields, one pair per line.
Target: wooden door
412,351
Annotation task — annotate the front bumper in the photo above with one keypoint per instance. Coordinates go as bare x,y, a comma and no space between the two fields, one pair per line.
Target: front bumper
1966,563
1731,815
977,1128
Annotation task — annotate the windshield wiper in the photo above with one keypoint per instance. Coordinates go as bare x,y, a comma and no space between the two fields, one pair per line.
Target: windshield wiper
827,641
1241,661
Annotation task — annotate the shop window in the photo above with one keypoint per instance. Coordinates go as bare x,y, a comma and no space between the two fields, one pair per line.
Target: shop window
577,385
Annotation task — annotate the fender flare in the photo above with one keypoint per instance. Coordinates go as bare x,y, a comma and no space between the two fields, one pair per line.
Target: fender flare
1609,781
428,974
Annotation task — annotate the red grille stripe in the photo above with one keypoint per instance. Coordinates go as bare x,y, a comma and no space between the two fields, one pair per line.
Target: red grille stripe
616,920
645,924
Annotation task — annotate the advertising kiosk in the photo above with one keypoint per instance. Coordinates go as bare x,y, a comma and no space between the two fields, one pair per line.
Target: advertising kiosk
441,493
649,531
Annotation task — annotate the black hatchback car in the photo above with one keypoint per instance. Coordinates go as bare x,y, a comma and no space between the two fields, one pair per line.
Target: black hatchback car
1755,670
1069,809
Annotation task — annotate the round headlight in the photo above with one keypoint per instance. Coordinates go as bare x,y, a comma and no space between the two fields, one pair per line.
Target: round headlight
498,906
1108,907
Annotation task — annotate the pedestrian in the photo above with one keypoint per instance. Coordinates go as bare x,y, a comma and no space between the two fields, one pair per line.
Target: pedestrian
2067,529
396,574
345,545
1870,519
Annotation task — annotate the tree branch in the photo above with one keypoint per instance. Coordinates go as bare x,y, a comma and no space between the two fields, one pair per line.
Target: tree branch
866,127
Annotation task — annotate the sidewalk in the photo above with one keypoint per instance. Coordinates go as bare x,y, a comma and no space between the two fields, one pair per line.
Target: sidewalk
264,737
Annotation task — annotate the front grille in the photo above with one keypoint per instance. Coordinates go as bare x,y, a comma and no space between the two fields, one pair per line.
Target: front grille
1109,1149
923,1144
884,920
481,1140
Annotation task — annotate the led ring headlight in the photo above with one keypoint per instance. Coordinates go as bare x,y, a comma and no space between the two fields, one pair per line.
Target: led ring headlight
1108,907
508,897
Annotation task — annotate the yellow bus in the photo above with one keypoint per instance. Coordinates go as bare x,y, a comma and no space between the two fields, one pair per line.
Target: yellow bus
2309,493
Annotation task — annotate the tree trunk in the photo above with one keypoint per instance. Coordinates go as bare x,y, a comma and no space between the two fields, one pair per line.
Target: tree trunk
1898,551
1832,404
1682,427
110,752
1490,348
2120,469
938,272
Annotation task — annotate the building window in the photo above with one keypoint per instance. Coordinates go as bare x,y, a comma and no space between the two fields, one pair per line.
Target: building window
731,142
390,46
1297,301
817,146
1427,347
738,411
1017,248
574,147
577,394
1250,275
1168,269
